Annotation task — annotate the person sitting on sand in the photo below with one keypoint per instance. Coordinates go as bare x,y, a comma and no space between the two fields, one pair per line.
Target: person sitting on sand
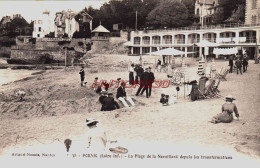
121,95
227,111
102,99
97,139
163,99
109,103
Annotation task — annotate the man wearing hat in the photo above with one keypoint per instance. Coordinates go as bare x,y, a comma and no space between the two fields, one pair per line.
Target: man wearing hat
102,99
82,75
238,64
121,95
96,86
227,111
150,81
109,103
97,139
143,83
140,71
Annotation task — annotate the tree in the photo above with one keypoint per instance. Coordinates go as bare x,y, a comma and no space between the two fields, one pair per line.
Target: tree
190,5
168,14
228,10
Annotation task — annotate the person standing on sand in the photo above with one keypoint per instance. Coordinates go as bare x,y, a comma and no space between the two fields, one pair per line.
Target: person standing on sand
238,64
245,63
150,81
227,111
131,75
82,75
231,64
143,83
97,139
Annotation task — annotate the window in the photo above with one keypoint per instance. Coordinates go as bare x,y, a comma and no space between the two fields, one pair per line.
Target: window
40,29
38,35
253,20
198,11
70,26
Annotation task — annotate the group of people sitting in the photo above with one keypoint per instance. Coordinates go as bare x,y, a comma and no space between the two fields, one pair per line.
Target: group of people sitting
167,99
108,103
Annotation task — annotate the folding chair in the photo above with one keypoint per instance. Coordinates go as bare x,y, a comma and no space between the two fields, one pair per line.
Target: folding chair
222,75
208,72
209,93
202,88
215,87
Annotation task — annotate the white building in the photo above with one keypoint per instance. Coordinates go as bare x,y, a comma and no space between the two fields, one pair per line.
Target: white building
205,8
43,25
65,23
252,12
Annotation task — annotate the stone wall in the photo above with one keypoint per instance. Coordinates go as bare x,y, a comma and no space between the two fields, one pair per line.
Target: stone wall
33,53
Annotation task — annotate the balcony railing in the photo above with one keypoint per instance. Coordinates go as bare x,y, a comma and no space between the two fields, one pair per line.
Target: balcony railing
146,41
100,38
167,41
193,40
206,27
137,42
179,41
156,42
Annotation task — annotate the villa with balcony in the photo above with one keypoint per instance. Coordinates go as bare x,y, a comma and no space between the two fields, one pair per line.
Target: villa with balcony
185,39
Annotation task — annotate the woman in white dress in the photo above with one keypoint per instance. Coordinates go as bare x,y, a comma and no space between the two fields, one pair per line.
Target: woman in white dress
97,139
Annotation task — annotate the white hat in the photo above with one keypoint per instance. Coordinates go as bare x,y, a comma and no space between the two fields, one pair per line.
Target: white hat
230,97
91,120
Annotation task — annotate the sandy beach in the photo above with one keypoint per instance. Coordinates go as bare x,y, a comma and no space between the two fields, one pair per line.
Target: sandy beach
56,107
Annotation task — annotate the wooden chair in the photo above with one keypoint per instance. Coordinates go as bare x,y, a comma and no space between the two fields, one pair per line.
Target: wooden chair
222,75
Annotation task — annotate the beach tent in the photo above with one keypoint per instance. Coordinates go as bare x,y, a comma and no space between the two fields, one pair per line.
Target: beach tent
168,51
225,51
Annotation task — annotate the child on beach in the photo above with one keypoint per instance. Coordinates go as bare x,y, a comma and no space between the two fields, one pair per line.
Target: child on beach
82,76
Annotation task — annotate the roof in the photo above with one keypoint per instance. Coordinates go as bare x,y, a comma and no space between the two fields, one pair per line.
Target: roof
100,29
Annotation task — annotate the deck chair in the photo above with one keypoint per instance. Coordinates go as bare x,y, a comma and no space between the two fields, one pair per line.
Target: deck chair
202,88
215,87
209,92
222,75
207,72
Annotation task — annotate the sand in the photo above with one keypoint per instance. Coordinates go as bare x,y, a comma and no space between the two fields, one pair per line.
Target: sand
56,107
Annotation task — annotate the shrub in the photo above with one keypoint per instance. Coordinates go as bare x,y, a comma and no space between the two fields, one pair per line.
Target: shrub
63,42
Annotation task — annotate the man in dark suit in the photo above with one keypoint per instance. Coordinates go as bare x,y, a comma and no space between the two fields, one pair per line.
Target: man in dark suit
102,99
121,95
238,64
150,81
110,103
146,82
230,64
140,71
143,79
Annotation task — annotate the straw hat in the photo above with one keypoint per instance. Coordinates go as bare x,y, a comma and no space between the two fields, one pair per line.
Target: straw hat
229,97
90,120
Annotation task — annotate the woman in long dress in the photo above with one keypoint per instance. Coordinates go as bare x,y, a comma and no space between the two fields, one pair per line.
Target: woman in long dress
227,111
97,139
131,75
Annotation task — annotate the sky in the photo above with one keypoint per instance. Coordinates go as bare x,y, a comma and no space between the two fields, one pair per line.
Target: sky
32,9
